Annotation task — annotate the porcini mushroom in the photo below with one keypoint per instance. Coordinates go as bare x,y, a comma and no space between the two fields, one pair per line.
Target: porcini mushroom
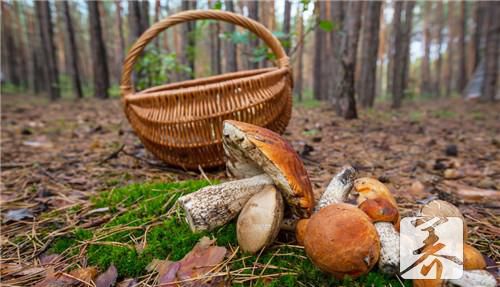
259,222
375,199
264,159
341,240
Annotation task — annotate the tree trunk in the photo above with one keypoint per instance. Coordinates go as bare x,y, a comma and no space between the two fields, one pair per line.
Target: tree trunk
134,21
370,44
49,50
462,69
346,106
156,19
299,78
119,24
492,47
144,15
99,63
396,55
479,19
187,53
9,49
23,60
425,69
230,54
319,45
286,25
439,31
73,51
337,16
407,34
253,12
450,50
215,48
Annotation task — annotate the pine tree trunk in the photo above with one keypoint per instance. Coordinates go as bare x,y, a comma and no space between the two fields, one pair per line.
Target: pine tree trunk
134,21
187,52
299,78
396,55
215,48
73,51
119,26
462,68
337,16
407,34
425,69
23,60
450,52
98,49
9,49
230,54
253,12
319,60
144,15
49,50
346,106
370,44
492,47
439,31
286,24
156,19
479,20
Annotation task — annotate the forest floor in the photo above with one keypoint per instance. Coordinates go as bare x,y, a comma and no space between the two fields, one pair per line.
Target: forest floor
55,156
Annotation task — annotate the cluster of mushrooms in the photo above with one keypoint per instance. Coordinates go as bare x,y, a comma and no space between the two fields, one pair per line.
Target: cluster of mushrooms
340,238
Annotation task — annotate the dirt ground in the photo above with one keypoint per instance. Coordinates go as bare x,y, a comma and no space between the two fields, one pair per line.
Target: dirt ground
57,154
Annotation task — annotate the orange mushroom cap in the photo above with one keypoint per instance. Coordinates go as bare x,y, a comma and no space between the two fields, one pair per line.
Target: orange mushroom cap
341,240
380,210
300,230
277,158
473,259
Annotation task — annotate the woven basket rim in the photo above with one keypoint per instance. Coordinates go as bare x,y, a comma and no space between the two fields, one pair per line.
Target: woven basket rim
183,91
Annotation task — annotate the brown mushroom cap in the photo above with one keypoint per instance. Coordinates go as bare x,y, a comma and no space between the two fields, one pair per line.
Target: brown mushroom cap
371,188
473,259
259,222
443,209
300,230
380,210
340,239
275,157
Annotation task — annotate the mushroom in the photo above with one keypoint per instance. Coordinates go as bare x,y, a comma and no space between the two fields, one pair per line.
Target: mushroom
473,259
264,159
375,199
442,208
259,222
337,191
341,240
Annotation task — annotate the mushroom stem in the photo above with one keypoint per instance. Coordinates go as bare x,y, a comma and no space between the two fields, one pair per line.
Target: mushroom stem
389,252
338,189
216,205
481,278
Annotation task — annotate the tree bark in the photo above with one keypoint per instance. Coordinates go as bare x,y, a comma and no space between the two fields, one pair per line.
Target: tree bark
346,106
188,43
134,21
9,50
396,55
299,78
492,47
73,51
480,14
439,18
286,25
230,54
156,19
49,50
450,49
337,16
119,26
370,44
462,69
319,45
99,59
23,59
144,19
253,12
425,69
407,35
215,48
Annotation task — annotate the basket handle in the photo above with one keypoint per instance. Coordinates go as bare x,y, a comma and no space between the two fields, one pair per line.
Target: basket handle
260,30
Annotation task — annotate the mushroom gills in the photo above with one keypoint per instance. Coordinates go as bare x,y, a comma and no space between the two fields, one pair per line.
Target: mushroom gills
216,205
389,252
259,221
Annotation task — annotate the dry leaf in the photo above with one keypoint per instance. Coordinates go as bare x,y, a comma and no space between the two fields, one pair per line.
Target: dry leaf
84,274
472,194
129,282
56,279
107,278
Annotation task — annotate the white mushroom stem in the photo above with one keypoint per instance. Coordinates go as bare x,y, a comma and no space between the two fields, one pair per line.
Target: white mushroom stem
477,278
388,262
216,205
338,189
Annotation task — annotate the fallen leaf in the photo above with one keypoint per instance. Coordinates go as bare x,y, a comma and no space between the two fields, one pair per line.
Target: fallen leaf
107,278
471,194
56,279
50,259
159,266
84,274
170,275
129,282
17,214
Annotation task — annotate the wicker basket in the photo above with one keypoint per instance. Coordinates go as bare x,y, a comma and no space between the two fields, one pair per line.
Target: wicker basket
181,123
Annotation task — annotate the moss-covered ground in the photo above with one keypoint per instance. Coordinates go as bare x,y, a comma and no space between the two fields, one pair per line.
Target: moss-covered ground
145,225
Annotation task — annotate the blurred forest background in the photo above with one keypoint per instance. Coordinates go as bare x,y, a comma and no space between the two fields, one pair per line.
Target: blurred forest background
342,52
